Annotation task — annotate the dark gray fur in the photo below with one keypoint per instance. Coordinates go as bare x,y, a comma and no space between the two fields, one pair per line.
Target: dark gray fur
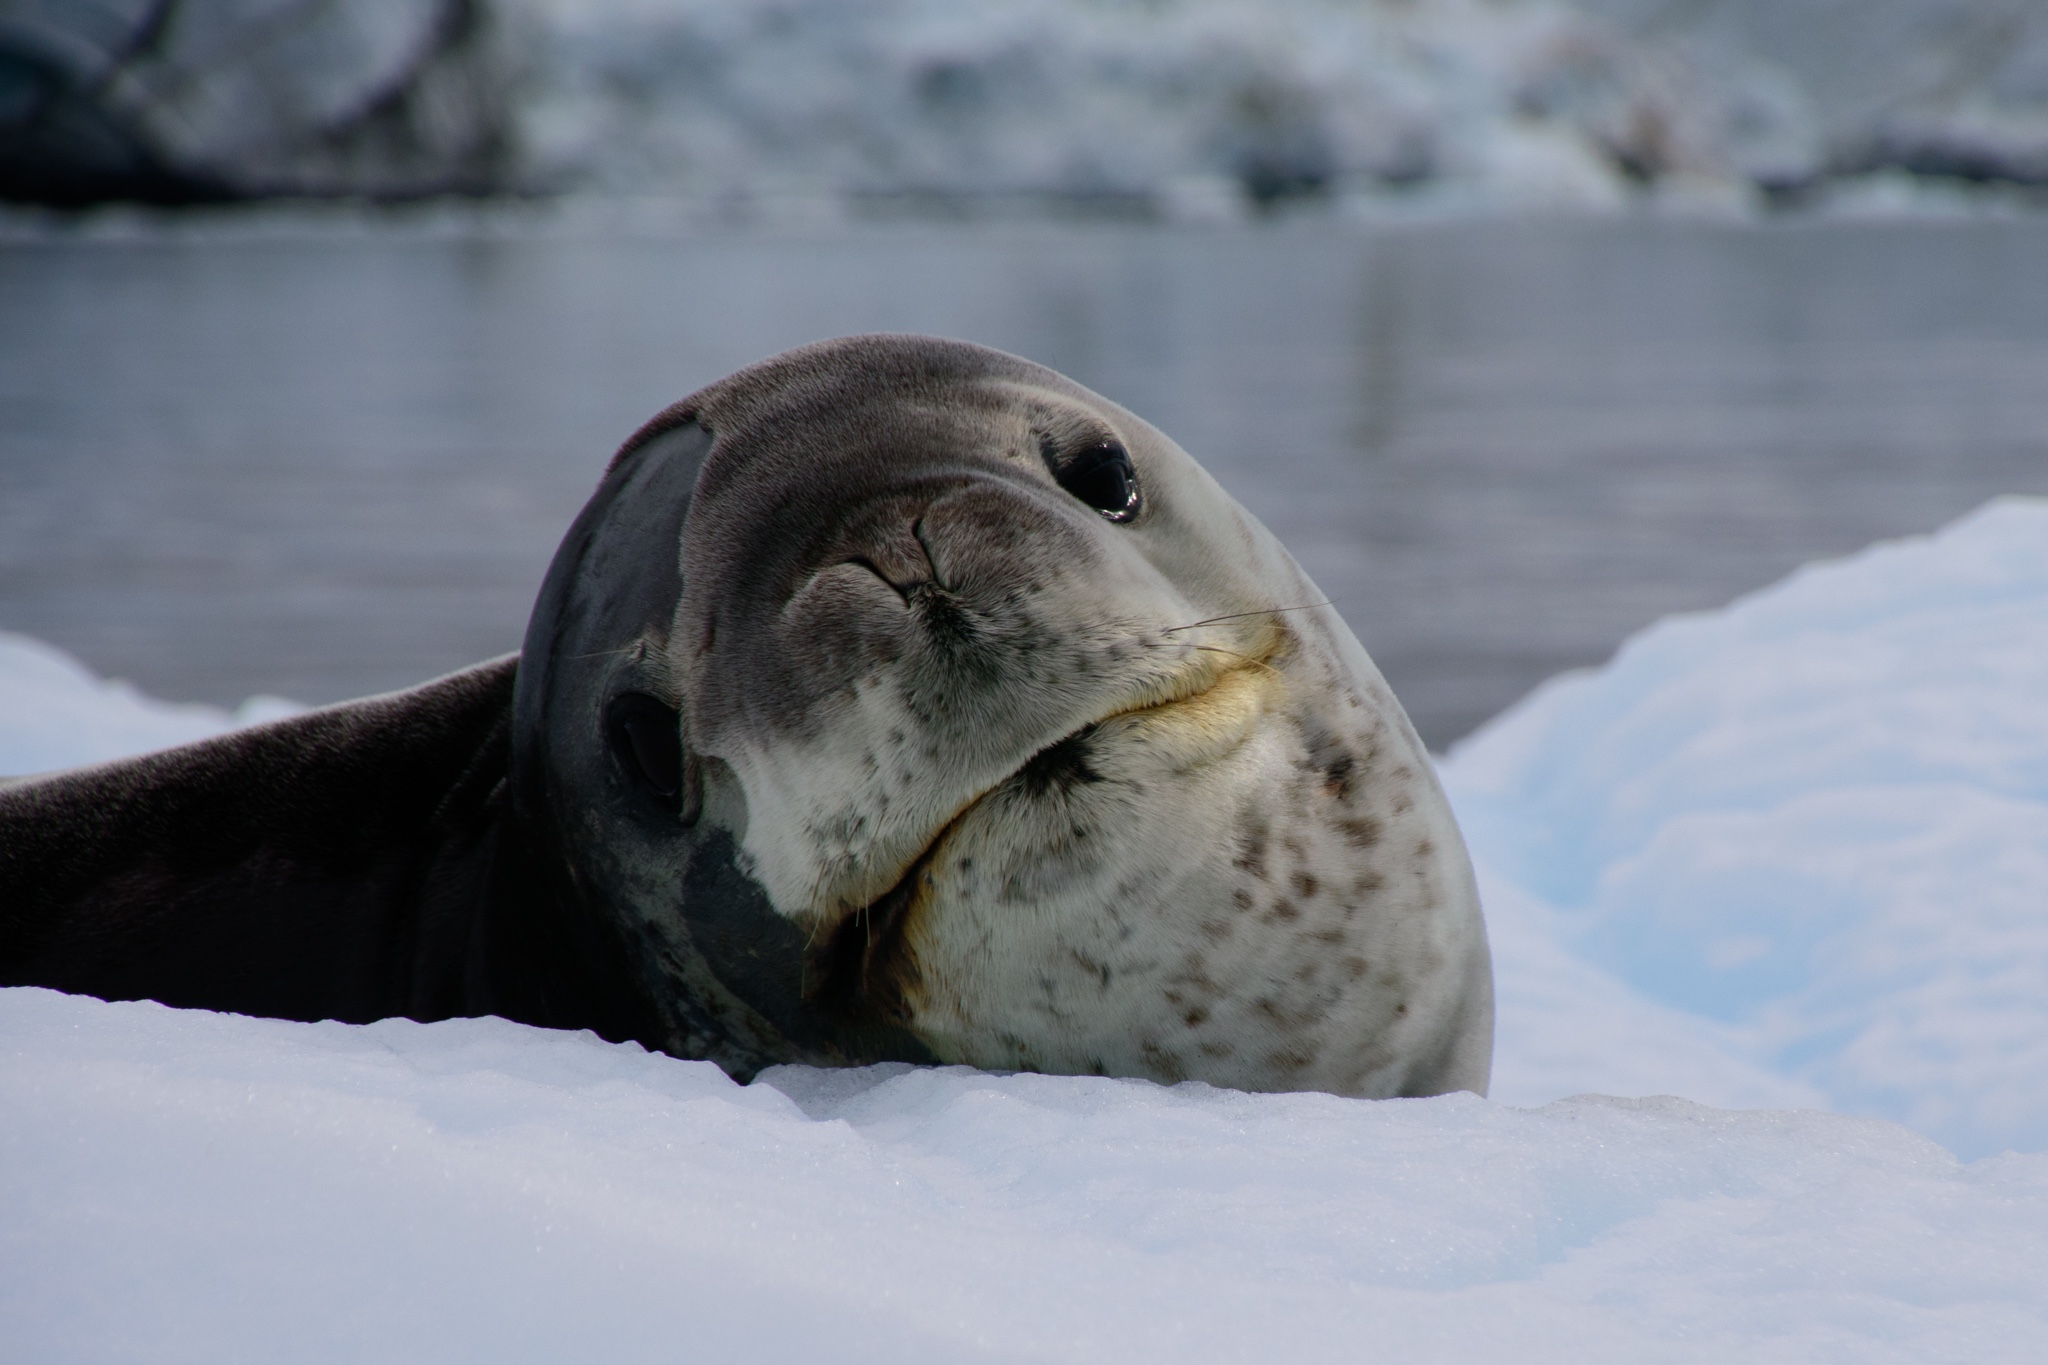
421,854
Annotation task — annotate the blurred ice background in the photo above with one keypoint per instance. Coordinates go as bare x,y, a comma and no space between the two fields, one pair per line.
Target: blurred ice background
1187,108
1522,322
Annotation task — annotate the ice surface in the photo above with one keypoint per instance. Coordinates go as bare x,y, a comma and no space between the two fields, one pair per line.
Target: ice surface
1791,854
1817,818
179,1186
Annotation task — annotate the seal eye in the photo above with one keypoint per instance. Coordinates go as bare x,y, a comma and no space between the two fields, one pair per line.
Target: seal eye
646,736
1101,476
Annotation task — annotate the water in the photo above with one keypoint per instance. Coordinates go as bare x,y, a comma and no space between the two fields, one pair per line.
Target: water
323,465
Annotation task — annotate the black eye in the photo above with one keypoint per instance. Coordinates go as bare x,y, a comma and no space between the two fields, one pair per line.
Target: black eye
646,736
1101,476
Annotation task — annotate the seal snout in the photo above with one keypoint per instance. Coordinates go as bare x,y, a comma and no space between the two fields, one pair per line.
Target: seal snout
890,543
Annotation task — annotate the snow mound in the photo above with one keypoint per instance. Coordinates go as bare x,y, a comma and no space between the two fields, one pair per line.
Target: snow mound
191,1187
1813,825
55,713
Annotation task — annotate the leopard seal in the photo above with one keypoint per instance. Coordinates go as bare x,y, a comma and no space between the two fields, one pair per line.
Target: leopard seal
892,698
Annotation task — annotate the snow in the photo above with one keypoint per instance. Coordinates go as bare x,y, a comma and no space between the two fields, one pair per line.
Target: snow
1782,858
1816,820
182,1186
55,713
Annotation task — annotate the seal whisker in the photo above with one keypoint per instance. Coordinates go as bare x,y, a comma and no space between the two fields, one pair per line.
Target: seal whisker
1240,615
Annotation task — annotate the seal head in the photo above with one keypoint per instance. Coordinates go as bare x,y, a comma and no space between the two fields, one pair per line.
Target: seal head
954,712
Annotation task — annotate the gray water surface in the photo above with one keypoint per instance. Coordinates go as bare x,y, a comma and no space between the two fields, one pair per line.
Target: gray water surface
325,466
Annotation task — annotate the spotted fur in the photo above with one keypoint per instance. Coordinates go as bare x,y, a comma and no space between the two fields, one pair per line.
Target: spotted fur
1132,799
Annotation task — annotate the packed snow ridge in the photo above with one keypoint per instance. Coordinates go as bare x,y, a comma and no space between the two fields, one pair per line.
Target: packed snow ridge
1782,858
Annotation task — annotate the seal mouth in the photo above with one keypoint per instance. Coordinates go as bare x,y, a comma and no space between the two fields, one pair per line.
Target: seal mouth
864,971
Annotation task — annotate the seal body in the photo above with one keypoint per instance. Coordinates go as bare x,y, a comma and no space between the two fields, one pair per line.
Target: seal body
898,698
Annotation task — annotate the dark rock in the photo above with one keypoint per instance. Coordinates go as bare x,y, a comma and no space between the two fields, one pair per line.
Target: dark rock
179,101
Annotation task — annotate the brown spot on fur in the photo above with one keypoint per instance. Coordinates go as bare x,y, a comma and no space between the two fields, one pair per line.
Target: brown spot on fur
1296,1013
1330,937
1089,964
1305,885
1290,1059
1060,768
1251,850
1357,967
1337,773
1216,1049
1162,1062
1241,898
1423,848
1284,910
1362,832
1198,1016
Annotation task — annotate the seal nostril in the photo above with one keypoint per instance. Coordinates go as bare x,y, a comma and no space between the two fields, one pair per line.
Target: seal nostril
1101,476
646,737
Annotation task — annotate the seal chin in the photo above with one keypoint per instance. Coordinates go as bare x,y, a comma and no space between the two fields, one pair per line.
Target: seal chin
866,967
1196,715
1203,726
